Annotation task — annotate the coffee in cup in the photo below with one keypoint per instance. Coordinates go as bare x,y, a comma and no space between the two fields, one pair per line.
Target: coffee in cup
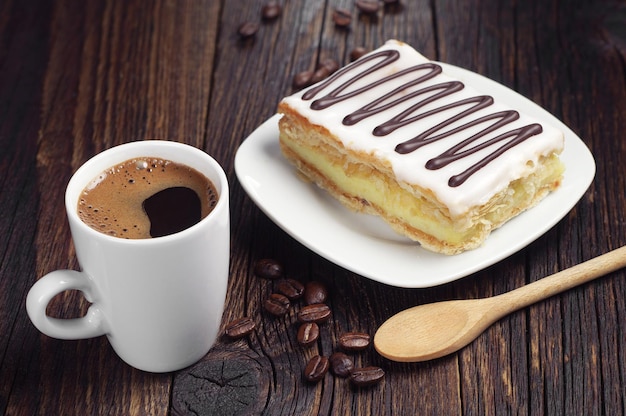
146,197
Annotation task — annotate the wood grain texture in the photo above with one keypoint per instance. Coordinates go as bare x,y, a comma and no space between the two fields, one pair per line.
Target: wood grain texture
80,77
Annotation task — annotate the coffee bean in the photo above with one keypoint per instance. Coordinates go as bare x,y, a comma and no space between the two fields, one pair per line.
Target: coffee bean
239,328
308,333
315,292
357,52
248,29
268,269
317,313
330,64
342,17
366,376
367,6
316,368
340,364
271,10
354,341
277,304
320,74
290,288
324,69
302,79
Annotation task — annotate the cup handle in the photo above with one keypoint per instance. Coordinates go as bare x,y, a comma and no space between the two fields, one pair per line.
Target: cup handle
89,326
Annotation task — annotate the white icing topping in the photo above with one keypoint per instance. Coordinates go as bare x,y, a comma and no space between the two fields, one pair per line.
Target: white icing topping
519,161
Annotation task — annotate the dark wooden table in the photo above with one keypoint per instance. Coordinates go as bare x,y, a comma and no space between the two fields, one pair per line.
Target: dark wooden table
79,77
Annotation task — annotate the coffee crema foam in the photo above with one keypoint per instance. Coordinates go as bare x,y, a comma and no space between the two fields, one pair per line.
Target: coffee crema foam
113,202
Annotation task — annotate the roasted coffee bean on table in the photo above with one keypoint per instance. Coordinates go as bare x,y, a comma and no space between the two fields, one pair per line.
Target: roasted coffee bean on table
308,333
268,269
354,341
367,6
357,52
239,328
315,292
324,69
320,73
302,79
342,17
330,64
366,376
271,10
318,313
340,364
248,29
316,368
291,288
277,304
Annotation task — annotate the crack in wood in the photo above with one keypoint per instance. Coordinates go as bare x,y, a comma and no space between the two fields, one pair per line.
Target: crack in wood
224,387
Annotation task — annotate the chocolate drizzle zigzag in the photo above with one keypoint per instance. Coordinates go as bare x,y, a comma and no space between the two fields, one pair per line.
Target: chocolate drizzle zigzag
423,72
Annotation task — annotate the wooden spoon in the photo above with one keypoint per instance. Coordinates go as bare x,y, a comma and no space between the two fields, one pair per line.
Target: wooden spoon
437,329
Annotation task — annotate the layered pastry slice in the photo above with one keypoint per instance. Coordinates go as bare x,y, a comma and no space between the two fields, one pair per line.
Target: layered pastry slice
392,134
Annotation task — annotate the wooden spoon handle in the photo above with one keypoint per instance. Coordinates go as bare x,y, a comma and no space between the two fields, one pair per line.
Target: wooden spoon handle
564,280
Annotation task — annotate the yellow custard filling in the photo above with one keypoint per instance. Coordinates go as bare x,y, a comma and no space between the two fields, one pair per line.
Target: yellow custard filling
365,188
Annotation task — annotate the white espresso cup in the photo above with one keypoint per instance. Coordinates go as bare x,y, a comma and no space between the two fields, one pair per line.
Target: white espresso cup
158,300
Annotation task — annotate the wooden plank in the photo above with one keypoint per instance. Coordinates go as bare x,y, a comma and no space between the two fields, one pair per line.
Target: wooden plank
23,51
96,93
